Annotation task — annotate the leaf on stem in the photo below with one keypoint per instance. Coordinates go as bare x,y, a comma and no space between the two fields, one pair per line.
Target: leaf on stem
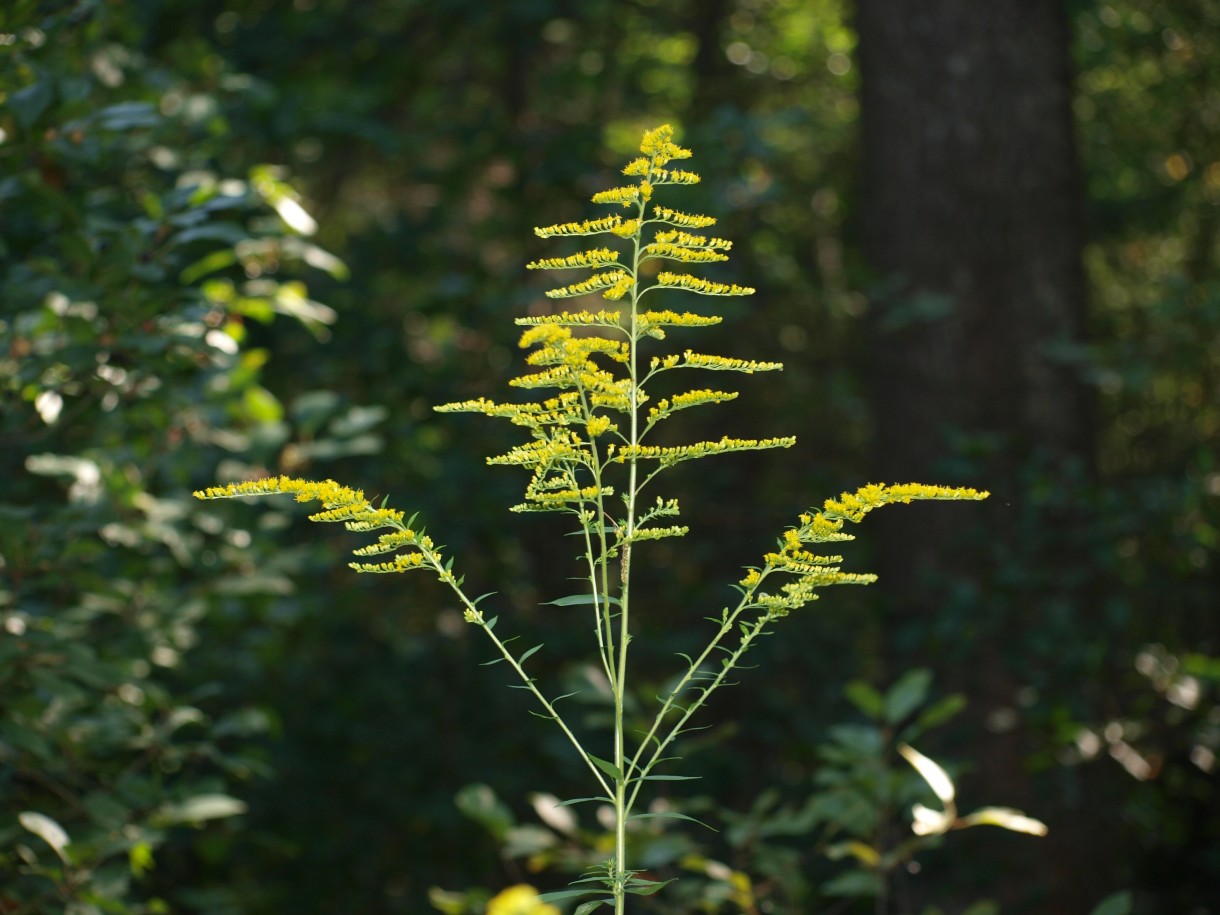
608,767
574,600
670,815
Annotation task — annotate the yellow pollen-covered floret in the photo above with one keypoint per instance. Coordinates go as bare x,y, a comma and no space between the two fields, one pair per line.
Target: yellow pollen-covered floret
637,167
658,145
700,285
727,363
685,220
674,176
619,289
610,279
624,196
683,254
686,240
597,257
854,506
588,227
403,562
599,425
672,455
665,407
574,319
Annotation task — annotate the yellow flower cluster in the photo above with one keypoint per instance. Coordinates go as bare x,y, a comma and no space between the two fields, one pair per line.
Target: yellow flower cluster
637,167
597,257
624,196
574,319
658,145
395,540
588,227
753,577
656,533
627,228
652,322
728,364
542,494
854,506
811,571
700,285
599,425
795,594
674,176
341,503
561,447
616,282
403,562
686,240
675,454
576,351
683,254
667,406
685,220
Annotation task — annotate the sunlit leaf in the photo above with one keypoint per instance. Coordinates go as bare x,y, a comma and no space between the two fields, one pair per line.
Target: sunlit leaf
936,777
199,809
46,829
1005,818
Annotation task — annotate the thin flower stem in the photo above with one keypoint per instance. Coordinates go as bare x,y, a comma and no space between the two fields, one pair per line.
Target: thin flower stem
747,638
695,665
447,578
620,751
602,622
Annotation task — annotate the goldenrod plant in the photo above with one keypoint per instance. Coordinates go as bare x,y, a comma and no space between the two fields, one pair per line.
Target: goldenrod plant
591,419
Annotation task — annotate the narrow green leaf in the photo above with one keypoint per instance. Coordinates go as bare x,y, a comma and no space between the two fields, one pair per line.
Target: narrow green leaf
941,711
608,767
584,800
574,600
865,698
528,654
910,692
560,895
592,906
670,815
639,887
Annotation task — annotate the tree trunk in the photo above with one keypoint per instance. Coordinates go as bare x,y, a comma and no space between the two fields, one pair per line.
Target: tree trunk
972,228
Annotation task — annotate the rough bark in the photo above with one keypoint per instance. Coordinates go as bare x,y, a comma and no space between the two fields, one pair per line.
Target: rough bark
971,226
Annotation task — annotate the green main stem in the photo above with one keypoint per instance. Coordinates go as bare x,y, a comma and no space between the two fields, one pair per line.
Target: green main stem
621,809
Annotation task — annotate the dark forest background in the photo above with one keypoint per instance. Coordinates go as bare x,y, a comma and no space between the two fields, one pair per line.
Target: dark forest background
263,236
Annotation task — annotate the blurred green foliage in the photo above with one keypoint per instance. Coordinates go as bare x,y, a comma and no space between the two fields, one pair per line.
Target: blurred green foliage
163,167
